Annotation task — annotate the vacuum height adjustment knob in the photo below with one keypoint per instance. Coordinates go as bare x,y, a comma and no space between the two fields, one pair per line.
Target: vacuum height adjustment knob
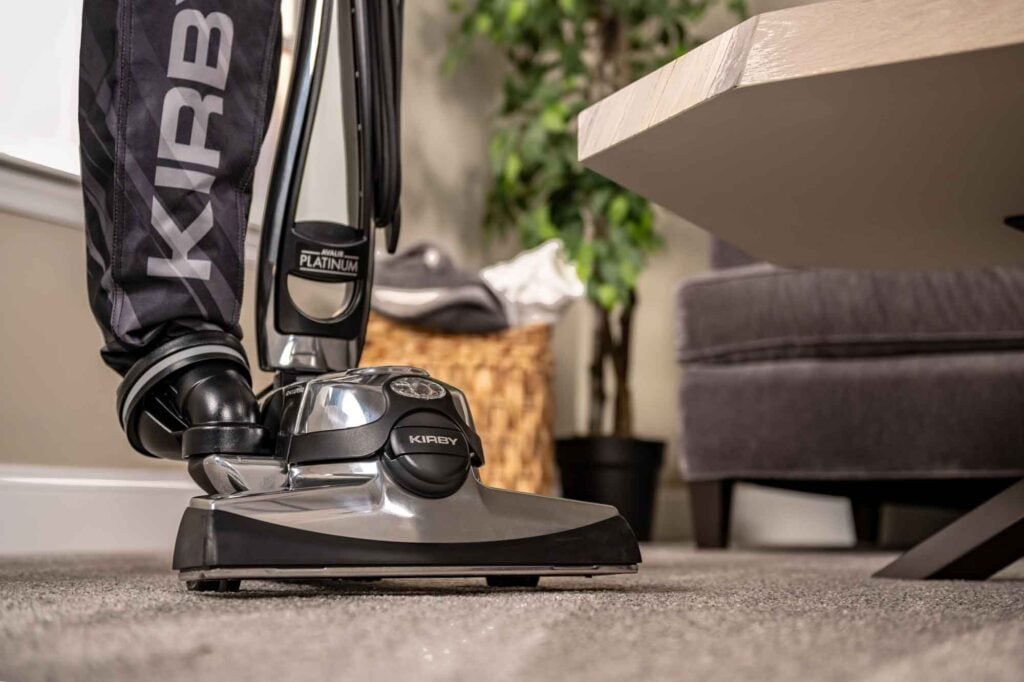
427,459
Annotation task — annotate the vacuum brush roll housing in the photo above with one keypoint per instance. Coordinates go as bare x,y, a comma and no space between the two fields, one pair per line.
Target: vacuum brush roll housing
380,480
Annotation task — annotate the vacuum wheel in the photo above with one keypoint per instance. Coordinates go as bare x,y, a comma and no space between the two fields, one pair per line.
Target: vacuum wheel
213,585
513,580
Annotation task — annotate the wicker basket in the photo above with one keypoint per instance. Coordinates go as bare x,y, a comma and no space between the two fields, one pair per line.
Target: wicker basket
507,379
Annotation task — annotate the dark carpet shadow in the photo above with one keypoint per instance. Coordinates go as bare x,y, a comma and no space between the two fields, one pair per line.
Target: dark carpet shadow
797,549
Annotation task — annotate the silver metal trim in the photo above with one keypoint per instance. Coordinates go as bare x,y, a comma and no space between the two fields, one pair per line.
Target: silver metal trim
325,572
388,369
230,474
378,509
335,473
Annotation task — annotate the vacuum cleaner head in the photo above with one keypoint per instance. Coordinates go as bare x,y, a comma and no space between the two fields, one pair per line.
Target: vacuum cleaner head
378,478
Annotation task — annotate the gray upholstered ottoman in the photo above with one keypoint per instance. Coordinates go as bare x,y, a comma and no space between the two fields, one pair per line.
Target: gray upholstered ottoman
879,386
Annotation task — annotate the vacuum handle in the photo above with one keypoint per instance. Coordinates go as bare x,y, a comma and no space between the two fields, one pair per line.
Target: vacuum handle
370,39
290,340
328,253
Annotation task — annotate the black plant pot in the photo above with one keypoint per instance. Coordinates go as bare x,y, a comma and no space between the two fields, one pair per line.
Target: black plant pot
622,472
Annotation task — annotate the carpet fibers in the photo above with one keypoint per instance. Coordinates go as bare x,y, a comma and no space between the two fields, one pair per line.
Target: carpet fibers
703,616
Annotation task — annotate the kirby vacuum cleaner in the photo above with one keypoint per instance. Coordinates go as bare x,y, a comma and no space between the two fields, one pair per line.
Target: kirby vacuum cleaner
339,472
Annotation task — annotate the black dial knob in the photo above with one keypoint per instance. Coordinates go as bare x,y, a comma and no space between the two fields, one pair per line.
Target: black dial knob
428,455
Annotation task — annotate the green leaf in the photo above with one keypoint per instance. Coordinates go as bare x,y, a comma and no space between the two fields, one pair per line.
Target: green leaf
585,262
553,117
516,11
629,272
618,210
534,145
607,296
513,167
545,228
483,24
599,199
496,152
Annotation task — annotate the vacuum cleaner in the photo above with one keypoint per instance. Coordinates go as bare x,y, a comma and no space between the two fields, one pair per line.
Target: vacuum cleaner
339,471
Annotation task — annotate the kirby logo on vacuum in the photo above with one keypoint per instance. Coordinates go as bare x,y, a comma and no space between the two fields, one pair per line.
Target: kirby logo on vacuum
432,440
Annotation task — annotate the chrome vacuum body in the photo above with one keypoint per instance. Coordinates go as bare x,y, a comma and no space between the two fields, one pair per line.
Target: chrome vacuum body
378,478
347,472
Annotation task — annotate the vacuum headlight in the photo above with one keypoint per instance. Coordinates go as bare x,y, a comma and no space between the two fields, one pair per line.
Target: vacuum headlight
331,405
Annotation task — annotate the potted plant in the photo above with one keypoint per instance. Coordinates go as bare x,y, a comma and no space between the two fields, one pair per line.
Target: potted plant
562,56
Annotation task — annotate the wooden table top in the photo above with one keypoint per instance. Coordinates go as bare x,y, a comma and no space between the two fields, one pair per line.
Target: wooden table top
852,133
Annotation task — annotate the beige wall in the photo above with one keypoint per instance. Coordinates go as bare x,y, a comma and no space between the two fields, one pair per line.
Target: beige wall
56,396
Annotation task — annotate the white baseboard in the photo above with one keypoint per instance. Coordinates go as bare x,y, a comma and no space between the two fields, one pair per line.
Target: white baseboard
60,510
41,193
65,510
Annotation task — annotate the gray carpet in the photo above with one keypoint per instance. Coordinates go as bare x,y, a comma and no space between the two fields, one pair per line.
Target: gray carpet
701,616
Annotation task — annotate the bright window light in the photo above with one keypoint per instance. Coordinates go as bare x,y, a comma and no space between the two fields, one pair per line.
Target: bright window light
39,81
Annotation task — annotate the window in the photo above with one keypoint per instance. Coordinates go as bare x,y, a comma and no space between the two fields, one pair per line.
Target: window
39,82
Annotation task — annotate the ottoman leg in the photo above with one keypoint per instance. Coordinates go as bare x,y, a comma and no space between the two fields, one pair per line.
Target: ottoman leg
710,507
867,516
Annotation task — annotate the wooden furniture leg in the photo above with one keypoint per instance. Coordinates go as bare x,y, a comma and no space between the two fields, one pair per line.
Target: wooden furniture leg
711,505
867,517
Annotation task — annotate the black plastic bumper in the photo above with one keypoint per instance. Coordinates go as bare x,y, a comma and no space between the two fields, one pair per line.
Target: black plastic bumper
215,539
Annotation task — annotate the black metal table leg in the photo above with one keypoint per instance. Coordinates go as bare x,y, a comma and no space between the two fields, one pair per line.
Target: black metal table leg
975,546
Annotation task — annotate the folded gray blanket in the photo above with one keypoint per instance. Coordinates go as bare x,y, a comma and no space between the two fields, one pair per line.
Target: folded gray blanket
421,286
